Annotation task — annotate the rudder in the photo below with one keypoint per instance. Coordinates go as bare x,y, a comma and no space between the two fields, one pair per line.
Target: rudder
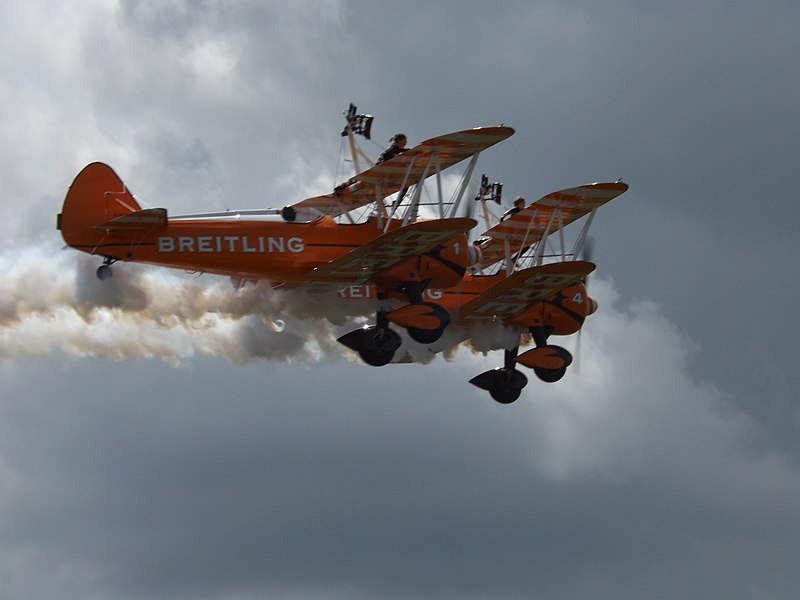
96,196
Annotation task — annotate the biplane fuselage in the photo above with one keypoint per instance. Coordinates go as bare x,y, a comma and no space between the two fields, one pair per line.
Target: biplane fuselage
101,217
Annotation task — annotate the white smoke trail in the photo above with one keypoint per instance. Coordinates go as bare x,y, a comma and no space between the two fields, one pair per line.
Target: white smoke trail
52,302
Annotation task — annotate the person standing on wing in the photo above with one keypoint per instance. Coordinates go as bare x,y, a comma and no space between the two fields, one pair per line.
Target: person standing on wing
398,147
519,204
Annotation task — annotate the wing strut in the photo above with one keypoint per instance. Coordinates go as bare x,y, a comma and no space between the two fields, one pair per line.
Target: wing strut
464,183
538,257
411,211
581,241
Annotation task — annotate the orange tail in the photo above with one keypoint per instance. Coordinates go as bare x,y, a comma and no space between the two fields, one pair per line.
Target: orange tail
97,196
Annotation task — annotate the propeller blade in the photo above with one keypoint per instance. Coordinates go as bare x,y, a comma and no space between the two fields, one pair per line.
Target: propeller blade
587,255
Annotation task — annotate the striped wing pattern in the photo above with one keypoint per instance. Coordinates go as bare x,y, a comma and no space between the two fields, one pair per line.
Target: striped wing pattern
387,178
528,226
516,293
384,252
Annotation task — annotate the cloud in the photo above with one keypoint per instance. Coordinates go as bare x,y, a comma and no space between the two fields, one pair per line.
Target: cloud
666,465
145,312
138,479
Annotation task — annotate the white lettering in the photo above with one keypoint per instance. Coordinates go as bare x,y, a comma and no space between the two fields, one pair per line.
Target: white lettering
357,292
245,246
166,244
295,244
204,244
234,243
185,244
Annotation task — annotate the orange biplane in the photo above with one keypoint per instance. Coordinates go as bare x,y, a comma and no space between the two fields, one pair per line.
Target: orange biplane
526,295
323,245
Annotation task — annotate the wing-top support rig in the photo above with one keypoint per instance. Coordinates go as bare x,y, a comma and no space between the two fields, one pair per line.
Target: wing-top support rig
403,175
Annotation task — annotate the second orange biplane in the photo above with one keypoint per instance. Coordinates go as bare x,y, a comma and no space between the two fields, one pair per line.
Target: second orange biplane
321,245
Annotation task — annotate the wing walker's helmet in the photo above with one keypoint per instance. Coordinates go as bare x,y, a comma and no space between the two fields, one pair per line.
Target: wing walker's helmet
399,136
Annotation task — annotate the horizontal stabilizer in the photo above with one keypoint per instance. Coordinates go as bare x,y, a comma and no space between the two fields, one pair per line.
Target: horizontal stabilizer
141,219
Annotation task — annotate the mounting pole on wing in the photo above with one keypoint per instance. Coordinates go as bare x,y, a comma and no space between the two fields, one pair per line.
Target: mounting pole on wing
357,124
492,192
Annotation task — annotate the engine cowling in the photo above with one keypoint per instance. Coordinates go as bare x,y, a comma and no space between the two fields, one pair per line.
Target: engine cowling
561,314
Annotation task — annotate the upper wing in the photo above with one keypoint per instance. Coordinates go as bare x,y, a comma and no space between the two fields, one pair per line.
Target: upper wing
517,292
528,226
387,178
362,264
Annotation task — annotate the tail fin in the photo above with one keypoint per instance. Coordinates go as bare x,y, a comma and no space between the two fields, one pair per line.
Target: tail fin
96,197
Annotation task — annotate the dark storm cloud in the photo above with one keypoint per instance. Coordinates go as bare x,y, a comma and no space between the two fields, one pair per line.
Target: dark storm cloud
265,481
666,467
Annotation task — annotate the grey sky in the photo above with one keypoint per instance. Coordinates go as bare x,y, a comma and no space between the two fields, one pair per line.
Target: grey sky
667,466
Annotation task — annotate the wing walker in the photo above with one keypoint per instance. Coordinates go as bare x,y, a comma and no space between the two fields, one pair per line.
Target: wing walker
384,230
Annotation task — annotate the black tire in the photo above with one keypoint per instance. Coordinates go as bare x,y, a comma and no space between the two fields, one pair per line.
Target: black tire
375,358
378,346
425,336
505,395
550,375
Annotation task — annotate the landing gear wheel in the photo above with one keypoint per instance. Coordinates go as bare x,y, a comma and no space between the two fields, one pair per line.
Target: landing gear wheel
375,345
428,336
378,346
505,395
375,358
503,384
425,336
550,375
104,272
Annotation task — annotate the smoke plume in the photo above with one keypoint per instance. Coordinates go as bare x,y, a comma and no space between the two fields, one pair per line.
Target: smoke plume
53,302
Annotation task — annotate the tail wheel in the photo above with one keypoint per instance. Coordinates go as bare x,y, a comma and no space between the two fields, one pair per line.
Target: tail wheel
104,272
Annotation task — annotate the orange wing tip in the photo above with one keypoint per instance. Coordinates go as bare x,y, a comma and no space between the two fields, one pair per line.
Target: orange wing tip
545,357
419,316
